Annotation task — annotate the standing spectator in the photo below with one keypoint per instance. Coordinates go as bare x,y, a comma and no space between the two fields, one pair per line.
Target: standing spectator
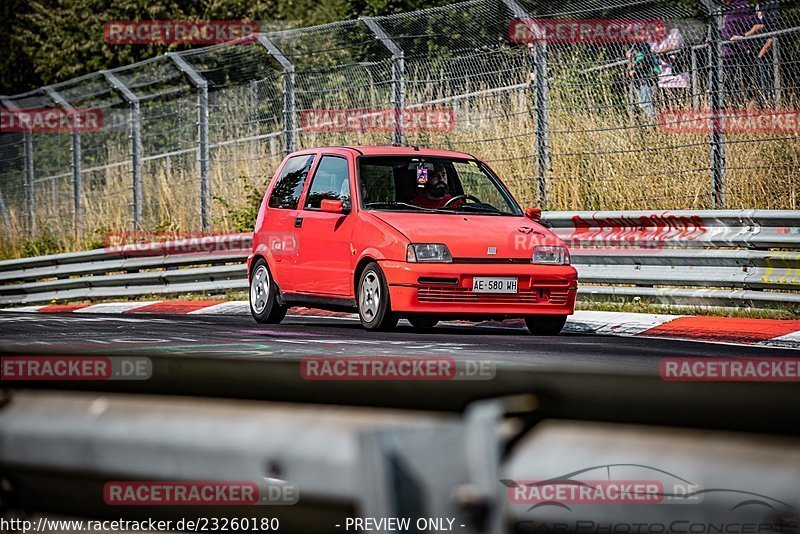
739,58
673,80
643,71
769,17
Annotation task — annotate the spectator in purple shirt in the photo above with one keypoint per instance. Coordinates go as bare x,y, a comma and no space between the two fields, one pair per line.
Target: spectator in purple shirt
739,56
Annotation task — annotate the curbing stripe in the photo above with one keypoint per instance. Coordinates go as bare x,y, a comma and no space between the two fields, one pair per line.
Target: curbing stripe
115,307
725,329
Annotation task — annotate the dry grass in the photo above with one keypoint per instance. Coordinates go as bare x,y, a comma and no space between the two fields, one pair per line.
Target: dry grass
600,159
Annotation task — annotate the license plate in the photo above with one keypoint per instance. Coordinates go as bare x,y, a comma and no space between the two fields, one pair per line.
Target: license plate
494,285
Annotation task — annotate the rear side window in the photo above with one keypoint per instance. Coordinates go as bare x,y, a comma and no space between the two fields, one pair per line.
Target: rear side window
330,182
286,193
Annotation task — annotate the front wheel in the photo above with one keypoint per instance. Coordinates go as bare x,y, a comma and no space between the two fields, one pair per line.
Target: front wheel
264,304
546,325
374,308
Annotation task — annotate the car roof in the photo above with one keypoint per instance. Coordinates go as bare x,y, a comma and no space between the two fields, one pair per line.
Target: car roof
373,150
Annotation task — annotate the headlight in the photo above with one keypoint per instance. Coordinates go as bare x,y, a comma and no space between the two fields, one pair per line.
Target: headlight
550,254
428,252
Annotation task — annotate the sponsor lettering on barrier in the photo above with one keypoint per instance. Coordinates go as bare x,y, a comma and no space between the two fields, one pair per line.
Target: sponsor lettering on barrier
642,232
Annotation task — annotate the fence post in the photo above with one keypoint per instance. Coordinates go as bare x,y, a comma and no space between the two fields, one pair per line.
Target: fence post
201,85
776,71
30,198
695,88
289,103
77,177
135,129
398,76
716,88
541,107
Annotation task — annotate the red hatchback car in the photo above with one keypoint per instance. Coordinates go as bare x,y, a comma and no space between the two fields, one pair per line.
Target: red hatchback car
404,233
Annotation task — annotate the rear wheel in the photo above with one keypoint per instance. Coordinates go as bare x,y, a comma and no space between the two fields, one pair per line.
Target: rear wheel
423,323
545,325
374,308
264,304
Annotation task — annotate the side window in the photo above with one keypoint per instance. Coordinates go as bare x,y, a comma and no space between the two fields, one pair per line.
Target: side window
286,194
330,182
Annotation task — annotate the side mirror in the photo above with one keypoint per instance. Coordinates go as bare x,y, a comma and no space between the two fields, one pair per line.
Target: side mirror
331,206
534,214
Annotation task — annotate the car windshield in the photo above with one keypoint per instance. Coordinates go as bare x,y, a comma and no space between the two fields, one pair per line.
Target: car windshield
429,184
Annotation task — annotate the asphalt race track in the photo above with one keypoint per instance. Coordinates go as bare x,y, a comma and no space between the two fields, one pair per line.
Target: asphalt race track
297,337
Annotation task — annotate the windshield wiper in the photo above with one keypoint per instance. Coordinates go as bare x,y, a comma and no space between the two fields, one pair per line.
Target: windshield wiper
487,209
393,204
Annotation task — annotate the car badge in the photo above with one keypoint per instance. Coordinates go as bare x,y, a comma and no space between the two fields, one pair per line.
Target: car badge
491,251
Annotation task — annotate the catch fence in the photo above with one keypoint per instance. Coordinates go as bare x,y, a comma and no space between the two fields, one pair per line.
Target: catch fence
190,139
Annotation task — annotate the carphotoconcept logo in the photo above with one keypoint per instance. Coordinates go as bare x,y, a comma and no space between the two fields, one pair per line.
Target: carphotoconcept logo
438,119
586,31
395,368
187,32
34,368
51,120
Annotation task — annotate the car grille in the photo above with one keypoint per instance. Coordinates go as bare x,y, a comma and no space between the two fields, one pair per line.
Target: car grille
462,294
559,296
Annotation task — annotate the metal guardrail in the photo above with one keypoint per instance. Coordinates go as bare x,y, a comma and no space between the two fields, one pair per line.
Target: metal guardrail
739,258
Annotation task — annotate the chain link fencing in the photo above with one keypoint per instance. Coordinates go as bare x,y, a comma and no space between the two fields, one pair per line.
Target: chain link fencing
702,116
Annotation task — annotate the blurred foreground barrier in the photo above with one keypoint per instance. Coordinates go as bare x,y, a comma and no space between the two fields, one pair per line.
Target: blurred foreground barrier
415,449
729,258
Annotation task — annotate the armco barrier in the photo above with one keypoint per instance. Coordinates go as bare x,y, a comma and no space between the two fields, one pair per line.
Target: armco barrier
733,258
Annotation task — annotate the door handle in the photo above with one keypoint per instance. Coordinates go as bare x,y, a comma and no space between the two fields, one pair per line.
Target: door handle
298,222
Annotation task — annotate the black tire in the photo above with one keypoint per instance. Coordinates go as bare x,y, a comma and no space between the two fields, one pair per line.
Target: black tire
545,325
423,323
372,300
266,309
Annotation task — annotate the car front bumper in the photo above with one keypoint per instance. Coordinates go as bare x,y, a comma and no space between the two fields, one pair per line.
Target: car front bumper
445,289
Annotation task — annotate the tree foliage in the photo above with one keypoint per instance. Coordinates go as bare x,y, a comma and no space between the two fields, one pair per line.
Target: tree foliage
48,41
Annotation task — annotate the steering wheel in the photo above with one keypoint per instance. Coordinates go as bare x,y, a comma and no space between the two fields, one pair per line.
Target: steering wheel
465,197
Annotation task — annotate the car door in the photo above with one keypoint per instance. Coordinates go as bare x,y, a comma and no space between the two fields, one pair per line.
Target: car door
323,238
278,229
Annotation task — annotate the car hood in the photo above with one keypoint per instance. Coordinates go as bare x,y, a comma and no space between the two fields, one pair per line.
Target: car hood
473,236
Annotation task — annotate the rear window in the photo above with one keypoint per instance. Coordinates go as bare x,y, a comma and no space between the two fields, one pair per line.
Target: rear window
286,193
